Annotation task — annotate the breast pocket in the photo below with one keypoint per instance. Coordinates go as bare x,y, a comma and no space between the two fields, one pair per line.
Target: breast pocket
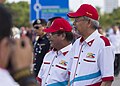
90,64
89,60
45,68
60,72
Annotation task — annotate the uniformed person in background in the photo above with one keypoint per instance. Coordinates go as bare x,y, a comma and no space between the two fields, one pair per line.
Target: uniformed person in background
41,44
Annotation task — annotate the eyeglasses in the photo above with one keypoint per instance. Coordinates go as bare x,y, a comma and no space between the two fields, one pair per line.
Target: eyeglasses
78,20
53,33
57,33
37,27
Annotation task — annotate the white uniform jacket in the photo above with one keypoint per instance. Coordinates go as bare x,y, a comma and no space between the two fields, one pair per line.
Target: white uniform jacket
54,71
6,79
93,61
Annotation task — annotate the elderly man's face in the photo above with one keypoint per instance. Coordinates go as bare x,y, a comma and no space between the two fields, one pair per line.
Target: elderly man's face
81,24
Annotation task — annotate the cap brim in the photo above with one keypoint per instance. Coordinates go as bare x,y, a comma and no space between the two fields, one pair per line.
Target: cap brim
49,30
73,15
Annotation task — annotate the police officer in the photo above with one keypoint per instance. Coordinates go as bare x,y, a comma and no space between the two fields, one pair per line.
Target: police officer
41,44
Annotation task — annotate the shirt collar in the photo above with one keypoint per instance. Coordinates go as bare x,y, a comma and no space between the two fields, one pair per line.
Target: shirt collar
90,39
63,50
66,49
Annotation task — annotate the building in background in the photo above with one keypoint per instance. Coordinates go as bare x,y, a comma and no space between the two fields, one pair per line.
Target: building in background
110,5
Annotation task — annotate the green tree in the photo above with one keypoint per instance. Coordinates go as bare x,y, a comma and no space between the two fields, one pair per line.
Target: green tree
20,13
107,20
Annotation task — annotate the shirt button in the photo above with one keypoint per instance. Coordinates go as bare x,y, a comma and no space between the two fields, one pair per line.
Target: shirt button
79,62
52,65
49,74
82,50
36,49
45,83
76,74
34,64
39,51
35,53
55,56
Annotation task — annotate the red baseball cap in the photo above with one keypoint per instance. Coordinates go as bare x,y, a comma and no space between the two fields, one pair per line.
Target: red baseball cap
85,10
59,24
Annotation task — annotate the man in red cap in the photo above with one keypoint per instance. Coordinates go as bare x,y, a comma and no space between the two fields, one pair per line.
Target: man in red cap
92,54
54,69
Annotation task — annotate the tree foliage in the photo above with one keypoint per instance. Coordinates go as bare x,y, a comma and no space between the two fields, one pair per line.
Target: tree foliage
20,13
107,20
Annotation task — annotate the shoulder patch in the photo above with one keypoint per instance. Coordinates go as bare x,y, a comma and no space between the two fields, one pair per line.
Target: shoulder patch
106,41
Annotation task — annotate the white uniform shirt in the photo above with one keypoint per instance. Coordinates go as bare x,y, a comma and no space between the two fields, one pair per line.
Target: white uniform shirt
54,71
93,61
115,40
6,79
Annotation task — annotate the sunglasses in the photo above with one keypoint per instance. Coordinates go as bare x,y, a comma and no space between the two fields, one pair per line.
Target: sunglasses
36,27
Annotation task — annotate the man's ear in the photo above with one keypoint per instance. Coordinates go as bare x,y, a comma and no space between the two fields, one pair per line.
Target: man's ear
63,36
89,23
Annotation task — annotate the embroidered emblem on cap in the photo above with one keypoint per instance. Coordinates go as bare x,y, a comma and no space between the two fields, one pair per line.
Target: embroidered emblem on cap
61,28
62,62
89,13
38,21
90,55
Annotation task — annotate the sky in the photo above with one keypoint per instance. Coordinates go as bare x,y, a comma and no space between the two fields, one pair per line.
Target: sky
74,4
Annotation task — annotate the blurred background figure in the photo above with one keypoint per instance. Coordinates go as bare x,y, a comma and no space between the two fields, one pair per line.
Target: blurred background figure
15,32
15,59
23,31
5,32
41,44
114,37
2,1
101,31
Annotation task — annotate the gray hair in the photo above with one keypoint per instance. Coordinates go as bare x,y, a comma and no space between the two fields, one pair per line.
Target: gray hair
95,23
